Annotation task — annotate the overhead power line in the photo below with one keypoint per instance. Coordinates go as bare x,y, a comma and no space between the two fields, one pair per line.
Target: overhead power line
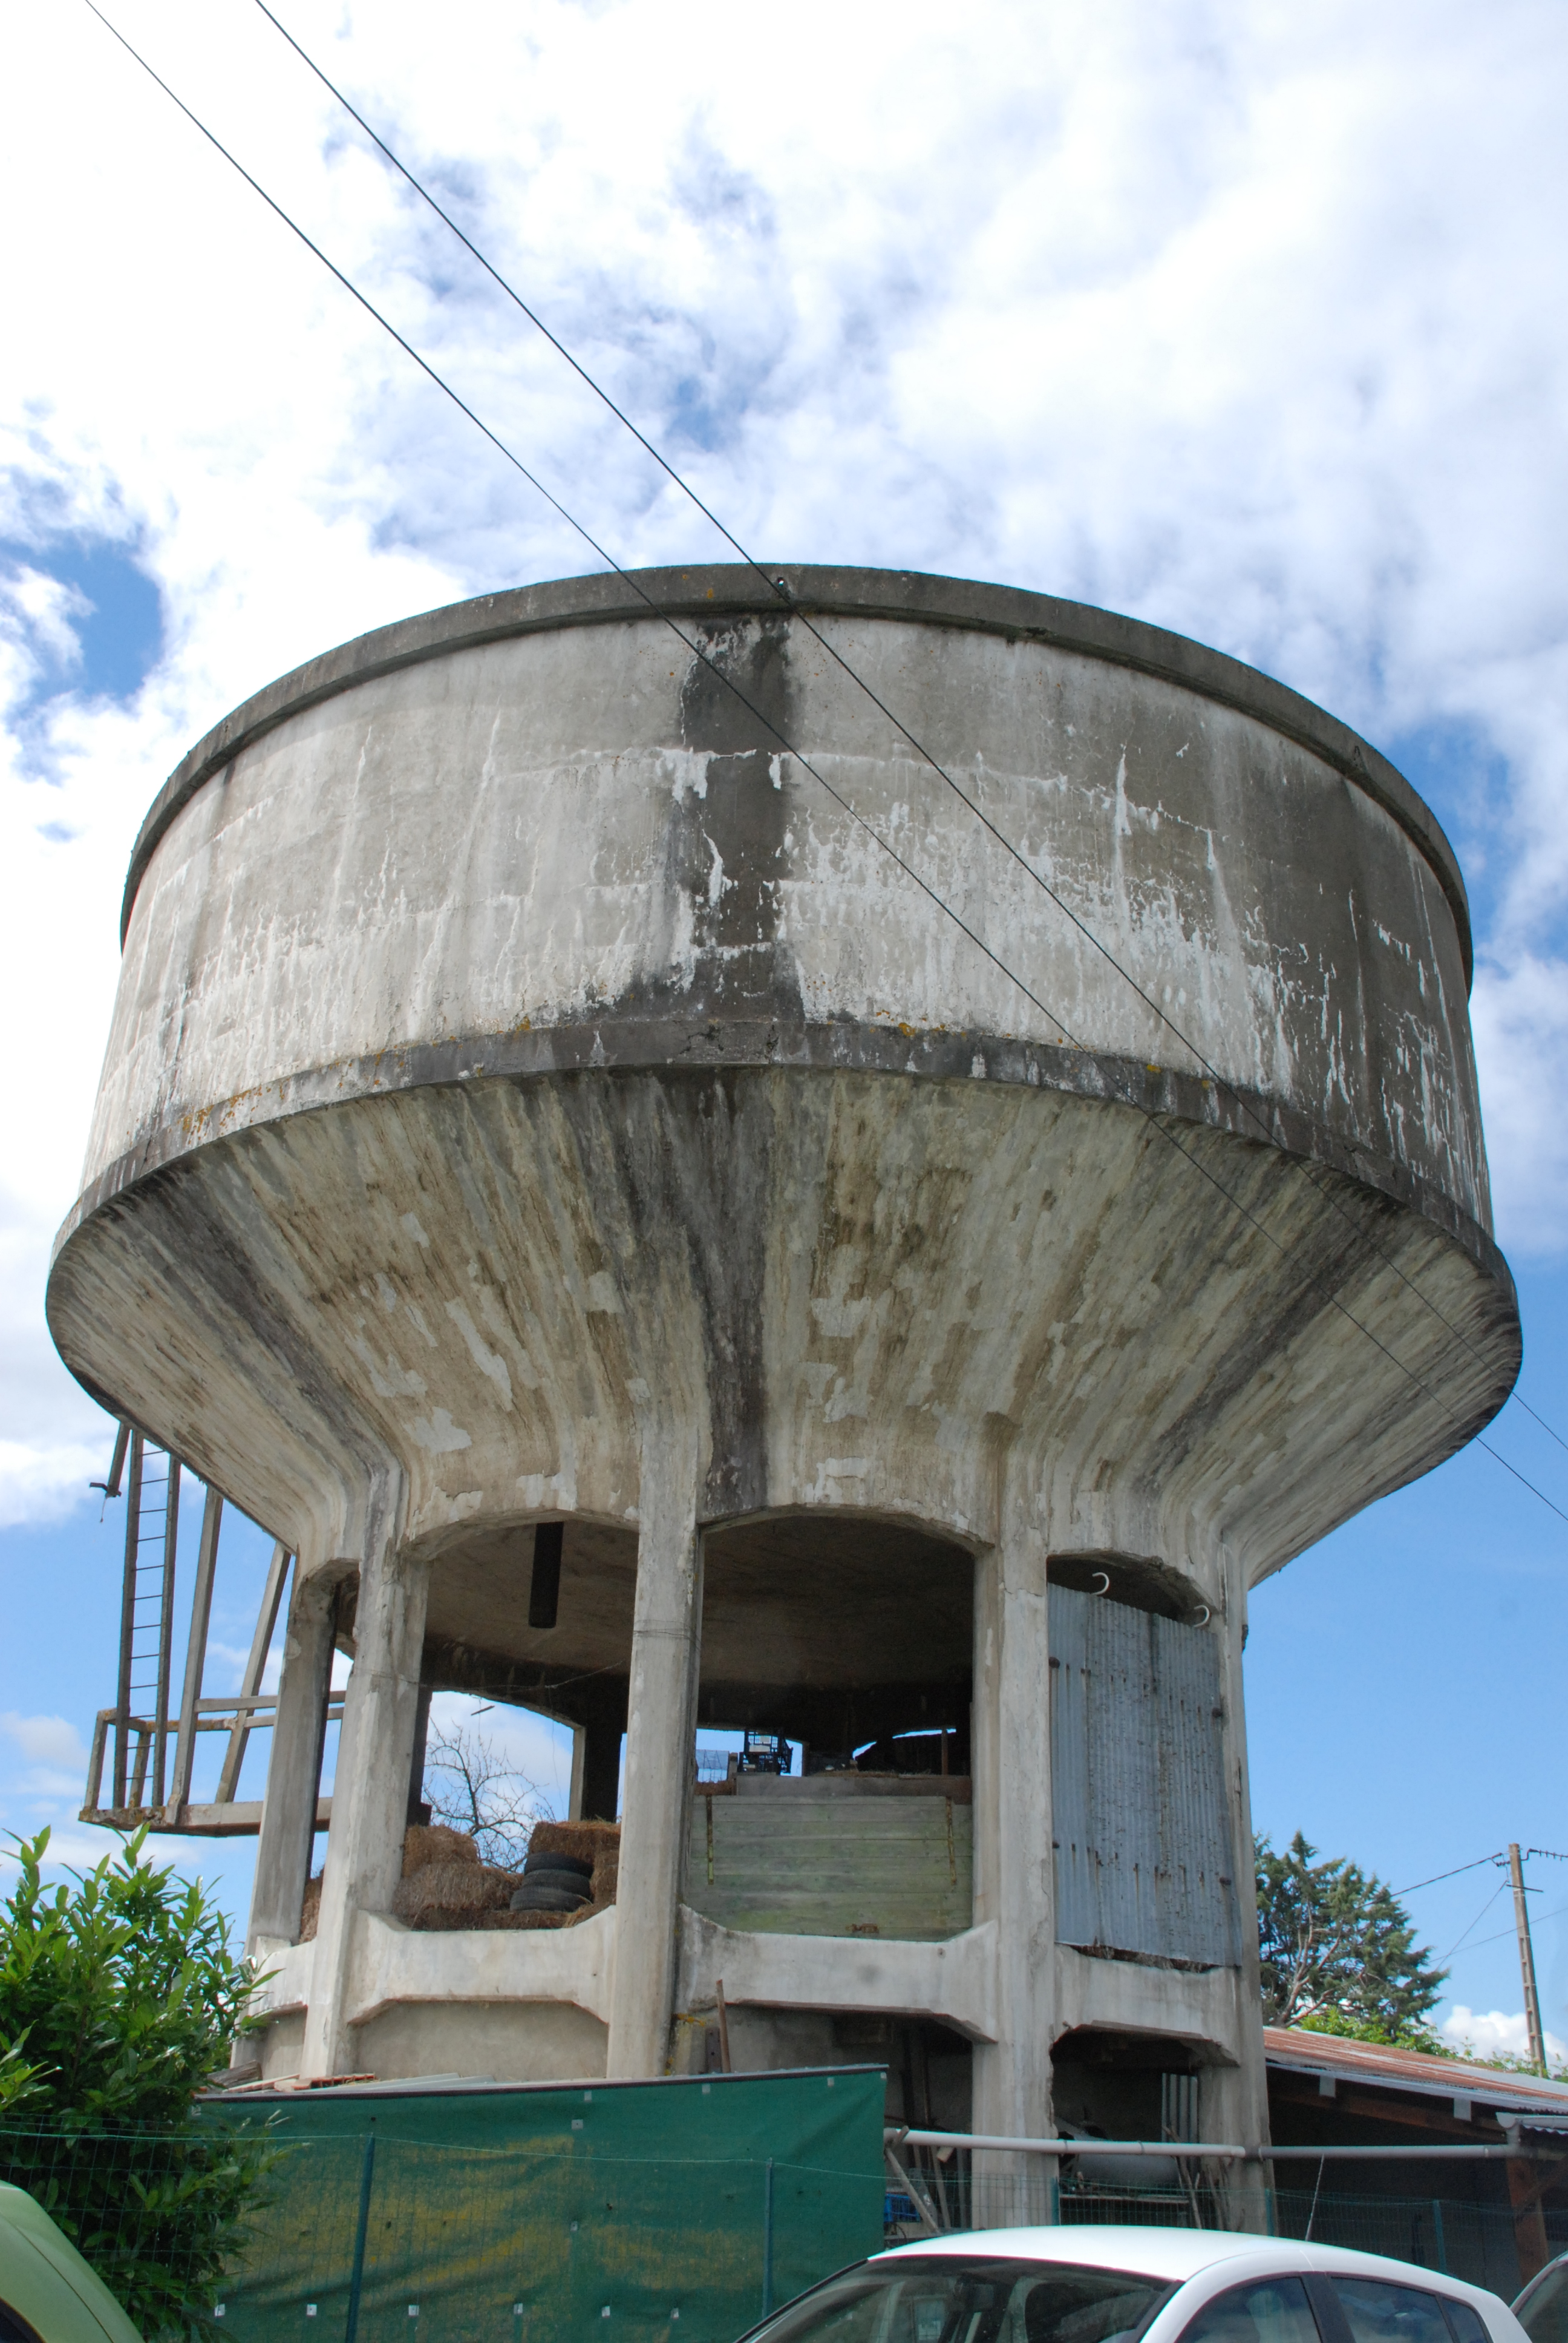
698,652
1500,1856
777,587
1540,1921
1456,1872
1460,1942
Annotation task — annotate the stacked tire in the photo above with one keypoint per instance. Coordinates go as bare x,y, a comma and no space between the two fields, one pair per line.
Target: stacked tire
554,1883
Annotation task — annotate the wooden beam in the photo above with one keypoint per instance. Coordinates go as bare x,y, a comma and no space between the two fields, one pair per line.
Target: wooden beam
237,1819
1530,2239
1302,2091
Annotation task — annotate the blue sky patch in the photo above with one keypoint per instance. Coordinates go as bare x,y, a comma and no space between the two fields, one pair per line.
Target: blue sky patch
121,633
1465,781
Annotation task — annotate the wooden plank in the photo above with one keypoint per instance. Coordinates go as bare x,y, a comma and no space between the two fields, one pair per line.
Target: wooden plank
236,1819
839,1867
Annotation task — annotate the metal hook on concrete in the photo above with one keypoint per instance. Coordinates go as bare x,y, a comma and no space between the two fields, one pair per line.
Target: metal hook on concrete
1203,1616
1103,1586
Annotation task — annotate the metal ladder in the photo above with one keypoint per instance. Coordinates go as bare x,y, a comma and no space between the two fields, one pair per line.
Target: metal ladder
154,1748
147,1626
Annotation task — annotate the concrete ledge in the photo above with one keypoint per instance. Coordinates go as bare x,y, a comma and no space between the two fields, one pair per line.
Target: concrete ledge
955,1981
1203,2007
391,1964
616,1041
289,1971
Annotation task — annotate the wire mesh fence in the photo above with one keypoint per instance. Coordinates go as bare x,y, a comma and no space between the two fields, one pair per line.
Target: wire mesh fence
368,2239
363,2237
158,2215
490,2243
1464,2239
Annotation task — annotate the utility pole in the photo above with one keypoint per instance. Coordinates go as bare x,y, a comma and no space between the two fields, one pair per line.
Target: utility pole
1527,1964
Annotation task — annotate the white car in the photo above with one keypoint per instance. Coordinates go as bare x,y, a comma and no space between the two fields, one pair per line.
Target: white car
1542,2308
1092,2285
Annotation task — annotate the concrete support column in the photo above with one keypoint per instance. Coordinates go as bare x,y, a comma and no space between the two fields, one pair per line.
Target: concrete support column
293,1768
1237,2097
370,1791
1014,1884
660,1728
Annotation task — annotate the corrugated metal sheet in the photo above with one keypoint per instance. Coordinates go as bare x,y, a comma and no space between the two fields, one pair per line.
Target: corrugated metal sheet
1143,1855
1375,2064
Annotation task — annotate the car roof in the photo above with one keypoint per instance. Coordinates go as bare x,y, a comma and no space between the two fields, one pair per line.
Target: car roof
1148,2252
1176,2254
46,2282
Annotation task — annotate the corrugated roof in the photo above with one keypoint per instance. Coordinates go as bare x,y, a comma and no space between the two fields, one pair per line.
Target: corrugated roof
1374,2064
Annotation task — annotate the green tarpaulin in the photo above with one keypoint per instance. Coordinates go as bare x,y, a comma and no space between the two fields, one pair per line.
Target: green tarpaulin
536,2213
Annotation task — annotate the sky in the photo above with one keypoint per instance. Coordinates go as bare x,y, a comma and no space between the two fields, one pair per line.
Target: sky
1244,318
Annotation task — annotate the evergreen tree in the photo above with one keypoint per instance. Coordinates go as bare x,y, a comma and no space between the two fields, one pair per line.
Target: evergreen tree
1339,1951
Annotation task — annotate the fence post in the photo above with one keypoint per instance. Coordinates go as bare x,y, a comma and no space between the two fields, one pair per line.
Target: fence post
356,2281
768,2240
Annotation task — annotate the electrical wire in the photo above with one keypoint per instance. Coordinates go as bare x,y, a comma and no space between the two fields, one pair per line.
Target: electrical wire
1454,1874
778,586
1539,1921
1475,1924
630,580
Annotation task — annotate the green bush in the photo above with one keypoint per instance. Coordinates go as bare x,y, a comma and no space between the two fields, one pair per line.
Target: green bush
119,1998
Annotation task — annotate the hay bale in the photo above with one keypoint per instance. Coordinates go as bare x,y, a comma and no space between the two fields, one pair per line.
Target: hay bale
427,1843
451,1888
594,1843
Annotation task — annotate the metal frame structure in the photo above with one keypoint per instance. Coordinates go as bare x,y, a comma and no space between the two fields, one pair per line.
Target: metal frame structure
150,1786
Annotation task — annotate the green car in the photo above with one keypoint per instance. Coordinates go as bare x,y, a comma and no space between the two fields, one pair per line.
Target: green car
47,2293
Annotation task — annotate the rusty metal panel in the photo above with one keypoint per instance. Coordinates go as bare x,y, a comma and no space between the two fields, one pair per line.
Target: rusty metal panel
1140,1815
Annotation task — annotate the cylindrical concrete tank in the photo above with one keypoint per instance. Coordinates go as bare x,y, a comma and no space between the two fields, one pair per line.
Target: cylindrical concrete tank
535,1096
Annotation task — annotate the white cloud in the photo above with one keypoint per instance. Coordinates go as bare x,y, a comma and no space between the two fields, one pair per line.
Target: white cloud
1232,314
45,1479
523,1741
48,1740
68,1849
56,1767
1520,1011
1494,2034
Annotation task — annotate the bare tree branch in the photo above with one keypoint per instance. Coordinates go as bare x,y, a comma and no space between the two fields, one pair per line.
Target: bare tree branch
471,1788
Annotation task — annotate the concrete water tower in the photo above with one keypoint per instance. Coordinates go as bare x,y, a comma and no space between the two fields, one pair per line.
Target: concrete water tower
556,1170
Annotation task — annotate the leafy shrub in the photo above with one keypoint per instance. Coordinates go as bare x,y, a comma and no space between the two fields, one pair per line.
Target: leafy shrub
119,1998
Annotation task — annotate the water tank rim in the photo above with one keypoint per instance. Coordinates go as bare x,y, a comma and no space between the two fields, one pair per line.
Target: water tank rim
732,590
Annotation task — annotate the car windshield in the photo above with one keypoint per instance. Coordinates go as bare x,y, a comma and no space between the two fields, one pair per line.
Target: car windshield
954,2299
1542,2308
